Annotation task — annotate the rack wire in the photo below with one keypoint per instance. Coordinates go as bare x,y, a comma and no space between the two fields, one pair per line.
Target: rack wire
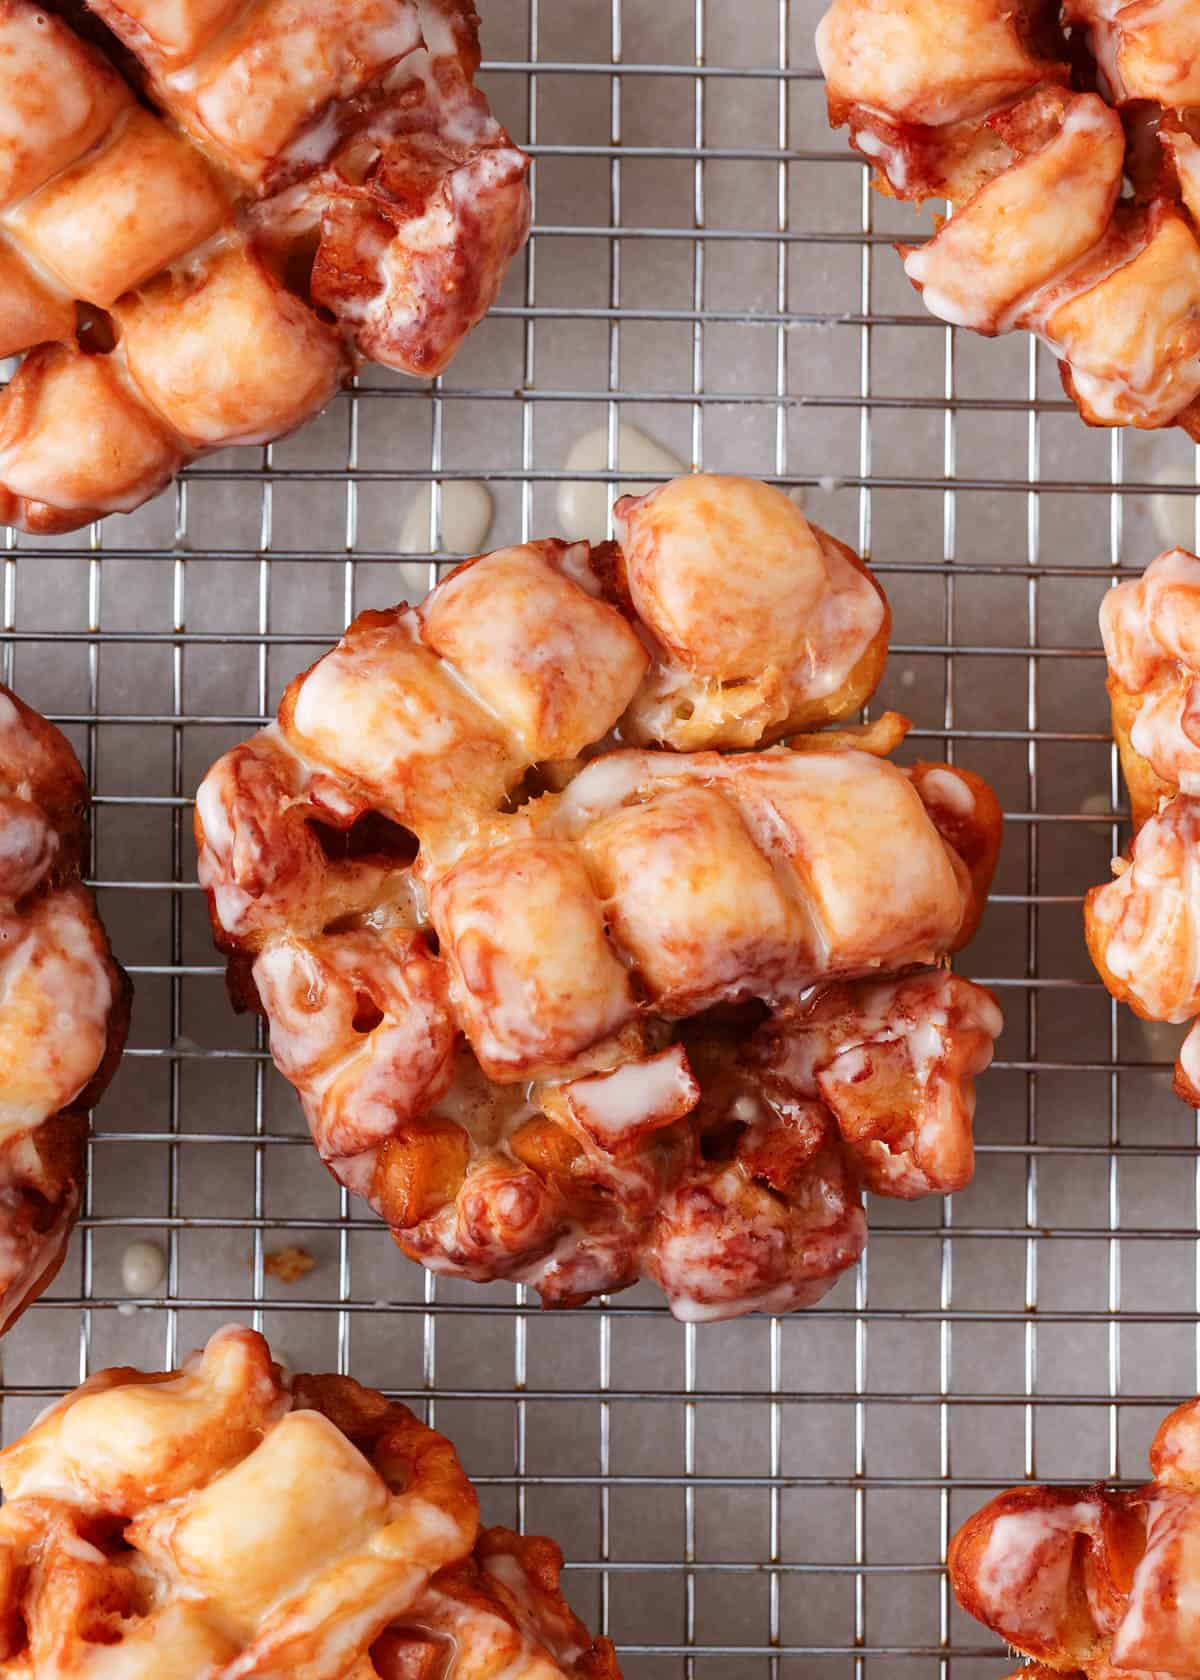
769,1498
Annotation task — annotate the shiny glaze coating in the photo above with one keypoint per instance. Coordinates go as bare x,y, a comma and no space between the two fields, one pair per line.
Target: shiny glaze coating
1143,927
306,185
64,1002
1062,135
570,1011
224,1521
1094,1583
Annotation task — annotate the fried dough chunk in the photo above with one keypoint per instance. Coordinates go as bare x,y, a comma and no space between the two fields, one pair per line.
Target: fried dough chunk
1142,926
1093,1581
227,1520
518,971
299,186
1031,118
64,1002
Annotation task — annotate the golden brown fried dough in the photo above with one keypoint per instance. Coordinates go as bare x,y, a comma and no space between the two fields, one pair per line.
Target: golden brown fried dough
226,1520
1030,117
305,184
64,1002
1093,1582
519,973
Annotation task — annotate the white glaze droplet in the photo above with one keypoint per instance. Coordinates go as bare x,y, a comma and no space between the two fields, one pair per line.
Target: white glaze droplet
583,505
143,1267
1175,516
908,677
466,512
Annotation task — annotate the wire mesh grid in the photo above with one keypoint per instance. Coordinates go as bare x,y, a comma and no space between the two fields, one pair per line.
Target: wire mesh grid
767,1498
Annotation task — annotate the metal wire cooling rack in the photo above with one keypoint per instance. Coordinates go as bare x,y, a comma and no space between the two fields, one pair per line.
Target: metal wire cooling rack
767,1498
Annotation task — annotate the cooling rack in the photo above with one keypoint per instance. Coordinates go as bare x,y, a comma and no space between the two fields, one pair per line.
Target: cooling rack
770,1498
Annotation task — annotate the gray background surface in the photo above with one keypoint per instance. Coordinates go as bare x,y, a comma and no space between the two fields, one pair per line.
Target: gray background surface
766,1498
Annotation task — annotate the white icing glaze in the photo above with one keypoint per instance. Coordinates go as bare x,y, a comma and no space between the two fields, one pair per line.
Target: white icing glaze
583,505
262,83
928,1035
103,1442
1162,395
615,1106
58,992
58,100
385,712
358,1081
849,616
556,667
507,1569
465,517
131,207
259,860
75,1546
1103,38
89,438
974,273
143,1268
261,1539
266,93
922,62
1145,923
1127,332
1148,622
781,1298
924,1031
175,29
829,822
1151,631
1020,1540
29,846
1160,1630
611,781
1166,731
691,1258
532,971
215,858
755,616
945,788
1148,51
463,120
1185,153
949,103
891,157
582,910
56,995
335,699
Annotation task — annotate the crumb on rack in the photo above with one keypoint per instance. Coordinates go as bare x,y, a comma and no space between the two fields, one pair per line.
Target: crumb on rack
288,1264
